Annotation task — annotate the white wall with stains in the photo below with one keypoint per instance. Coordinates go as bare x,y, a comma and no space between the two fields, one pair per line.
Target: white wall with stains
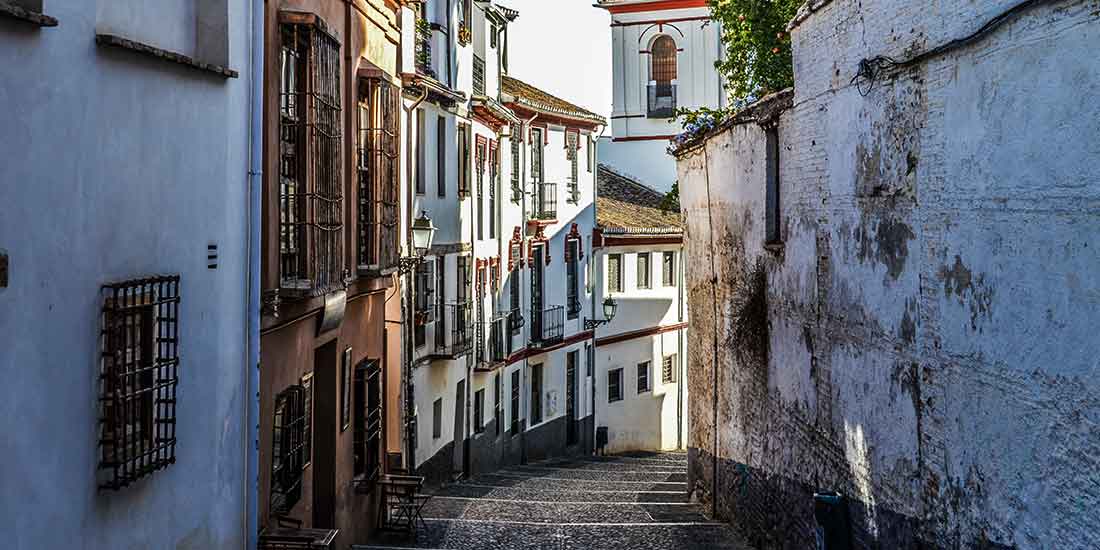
929,317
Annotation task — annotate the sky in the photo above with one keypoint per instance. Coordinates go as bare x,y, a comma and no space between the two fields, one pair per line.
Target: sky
563,47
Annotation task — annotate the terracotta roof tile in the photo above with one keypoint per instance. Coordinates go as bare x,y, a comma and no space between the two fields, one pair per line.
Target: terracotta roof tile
625,204
534,98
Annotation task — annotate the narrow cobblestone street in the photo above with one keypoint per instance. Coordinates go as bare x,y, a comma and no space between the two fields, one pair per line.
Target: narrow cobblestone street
628,502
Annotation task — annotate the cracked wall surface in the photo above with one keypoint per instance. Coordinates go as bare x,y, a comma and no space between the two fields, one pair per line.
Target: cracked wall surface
930,317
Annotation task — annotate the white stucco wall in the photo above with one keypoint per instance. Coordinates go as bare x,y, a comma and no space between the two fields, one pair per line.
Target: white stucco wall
930,352
119,166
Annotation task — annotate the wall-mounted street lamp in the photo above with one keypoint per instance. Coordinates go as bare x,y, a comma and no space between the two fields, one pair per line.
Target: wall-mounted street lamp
609,307
422,233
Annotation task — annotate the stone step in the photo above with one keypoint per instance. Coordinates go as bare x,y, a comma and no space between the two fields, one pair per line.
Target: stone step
587,494
558,513
526,481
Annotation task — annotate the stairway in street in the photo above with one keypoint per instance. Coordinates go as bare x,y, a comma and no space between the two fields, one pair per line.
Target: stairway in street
636,501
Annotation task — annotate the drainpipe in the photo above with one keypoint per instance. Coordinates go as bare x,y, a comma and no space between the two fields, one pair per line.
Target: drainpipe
252,335
714,382
681,359
526,392
450,26
593,271
409,347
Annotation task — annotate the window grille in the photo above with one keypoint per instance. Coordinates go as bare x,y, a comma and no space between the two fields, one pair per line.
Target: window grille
440,302
378,143
494,180
615,385
643,270
515,318
288,449
572,278
310,185
643,377
479,76
536,154
536,394
479,164
422,301
517,189
668,269
479,411
615,273
463,160
139,373
668,371
662,70
515,403
367,459
572,143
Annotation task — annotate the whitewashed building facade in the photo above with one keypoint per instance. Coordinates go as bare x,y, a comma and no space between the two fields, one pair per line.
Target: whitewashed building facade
507,174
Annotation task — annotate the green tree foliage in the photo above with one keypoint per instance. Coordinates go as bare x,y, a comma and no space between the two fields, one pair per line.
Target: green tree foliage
758,48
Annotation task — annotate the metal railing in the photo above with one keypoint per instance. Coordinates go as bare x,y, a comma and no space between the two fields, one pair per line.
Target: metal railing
460,338
545,206
548,325
515,321
497,343
662,101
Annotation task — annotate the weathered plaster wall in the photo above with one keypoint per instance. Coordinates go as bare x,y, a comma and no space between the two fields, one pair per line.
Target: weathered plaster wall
928,321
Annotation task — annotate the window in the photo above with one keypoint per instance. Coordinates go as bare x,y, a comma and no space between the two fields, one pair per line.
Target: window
422,301
440,302
421,142
479,163
662,76
479,76
139,373
643,377
463,160
588,359
368,419
345,389
614,385
668,269
517,190
288,449
515,322
536,154
536,394
479,411
498,404
379,136
572,143
668,369
643,270
310,186
437,418
591,154
494,177
441,156
614,273
771,226
515,403
462,279
307,407
573,302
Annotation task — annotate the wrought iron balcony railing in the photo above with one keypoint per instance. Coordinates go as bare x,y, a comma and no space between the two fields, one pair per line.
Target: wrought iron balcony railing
458,330
547,325
545,205
498,343
662,101
515,321
424,47
479,76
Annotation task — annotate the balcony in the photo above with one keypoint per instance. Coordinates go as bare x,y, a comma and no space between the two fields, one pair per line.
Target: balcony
457,328
545,205
424,48
547,326
662,101
494,352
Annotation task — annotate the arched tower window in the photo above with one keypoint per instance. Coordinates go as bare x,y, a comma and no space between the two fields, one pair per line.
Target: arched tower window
662,71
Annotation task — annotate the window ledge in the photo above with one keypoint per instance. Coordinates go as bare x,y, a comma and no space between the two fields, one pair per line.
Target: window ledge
25,15
127,44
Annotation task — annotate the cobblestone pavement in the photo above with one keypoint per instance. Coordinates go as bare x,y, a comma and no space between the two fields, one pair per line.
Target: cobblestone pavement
619,502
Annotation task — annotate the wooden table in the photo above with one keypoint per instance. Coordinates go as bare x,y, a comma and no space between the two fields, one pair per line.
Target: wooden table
280,538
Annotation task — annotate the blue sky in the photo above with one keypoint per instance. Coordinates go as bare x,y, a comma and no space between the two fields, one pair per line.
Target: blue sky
563,47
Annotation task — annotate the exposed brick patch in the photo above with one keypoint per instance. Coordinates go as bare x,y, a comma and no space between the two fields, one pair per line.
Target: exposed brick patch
127,44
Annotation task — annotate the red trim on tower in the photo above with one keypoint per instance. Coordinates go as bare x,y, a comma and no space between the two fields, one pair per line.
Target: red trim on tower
660,5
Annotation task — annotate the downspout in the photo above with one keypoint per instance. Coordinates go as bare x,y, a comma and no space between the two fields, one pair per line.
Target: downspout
450,26
407,316
471,140
714,382
592,271
252,335
526,392
681,359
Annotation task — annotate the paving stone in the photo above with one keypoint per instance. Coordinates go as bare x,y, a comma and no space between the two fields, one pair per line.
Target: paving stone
636,502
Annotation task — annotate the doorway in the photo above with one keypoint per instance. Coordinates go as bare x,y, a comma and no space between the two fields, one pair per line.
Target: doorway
571,399
325,428
458,464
